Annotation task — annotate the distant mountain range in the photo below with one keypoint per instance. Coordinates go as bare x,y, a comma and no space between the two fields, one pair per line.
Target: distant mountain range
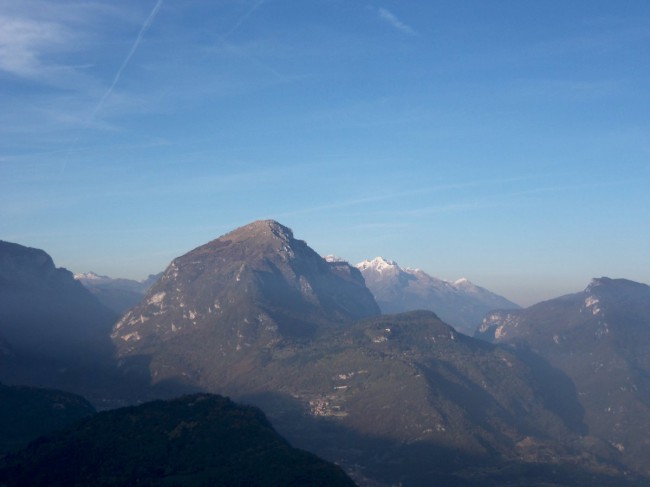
116,294
461,303
401,398
258,315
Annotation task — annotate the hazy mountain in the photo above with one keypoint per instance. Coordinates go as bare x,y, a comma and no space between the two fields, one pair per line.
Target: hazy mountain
460,303
56,331
601,339
27,413
258,315
116,294
191,441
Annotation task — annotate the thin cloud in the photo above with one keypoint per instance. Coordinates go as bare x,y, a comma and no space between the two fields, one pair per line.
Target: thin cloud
387,16
23,40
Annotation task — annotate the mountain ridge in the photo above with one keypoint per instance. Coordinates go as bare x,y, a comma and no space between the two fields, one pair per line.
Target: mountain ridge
459,303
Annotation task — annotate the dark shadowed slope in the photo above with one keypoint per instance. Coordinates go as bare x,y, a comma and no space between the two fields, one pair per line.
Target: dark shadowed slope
27,413
197,440
57,332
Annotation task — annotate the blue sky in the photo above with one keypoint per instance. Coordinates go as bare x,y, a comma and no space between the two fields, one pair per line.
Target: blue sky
505,141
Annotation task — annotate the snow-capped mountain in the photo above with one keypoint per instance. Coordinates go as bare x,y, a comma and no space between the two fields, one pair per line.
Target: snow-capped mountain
461,303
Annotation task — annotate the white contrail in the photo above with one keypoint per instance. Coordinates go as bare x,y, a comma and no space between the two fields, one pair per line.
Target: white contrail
134,47
241,19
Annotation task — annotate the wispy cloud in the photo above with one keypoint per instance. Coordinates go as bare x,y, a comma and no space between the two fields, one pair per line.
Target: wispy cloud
389,17
23,40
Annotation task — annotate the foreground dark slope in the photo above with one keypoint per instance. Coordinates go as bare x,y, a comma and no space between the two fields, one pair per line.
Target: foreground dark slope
601,339
260,316
27,413
55,333
194,440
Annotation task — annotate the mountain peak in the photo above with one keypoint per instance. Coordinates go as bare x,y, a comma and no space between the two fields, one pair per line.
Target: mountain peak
261,228
608,282
90,276
378,264
247,290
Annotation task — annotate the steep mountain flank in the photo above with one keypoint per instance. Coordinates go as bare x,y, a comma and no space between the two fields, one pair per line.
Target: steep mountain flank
601,339
55,332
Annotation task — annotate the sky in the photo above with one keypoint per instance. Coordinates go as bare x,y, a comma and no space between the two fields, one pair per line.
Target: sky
505,141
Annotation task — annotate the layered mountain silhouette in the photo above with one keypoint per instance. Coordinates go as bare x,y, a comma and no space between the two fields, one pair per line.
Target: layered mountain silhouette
194,440
258,315
560,398
53,332
600,338
462,304
116,294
